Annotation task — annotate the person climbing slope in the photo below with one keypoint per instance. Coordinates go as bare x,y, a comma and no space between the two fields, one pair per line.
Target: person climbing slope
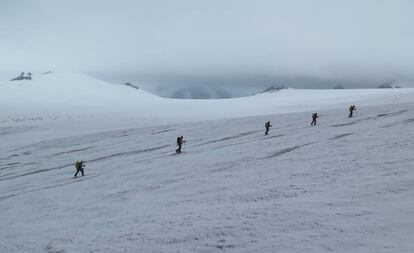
314,117
352,108
267,127
79,168
180,142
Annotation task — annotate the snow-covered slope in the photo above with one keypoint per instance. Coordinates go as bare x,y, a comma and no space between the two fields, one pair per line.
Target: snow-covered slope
76,101
345,185
68,96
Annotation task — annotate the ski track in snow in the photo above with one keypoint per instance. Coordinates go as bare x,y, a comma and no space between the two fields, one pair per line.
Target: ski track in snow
344,185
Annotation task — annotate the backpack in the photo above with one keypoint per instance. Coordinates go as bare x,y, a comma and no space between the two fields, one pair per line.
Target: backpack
178,140
77,165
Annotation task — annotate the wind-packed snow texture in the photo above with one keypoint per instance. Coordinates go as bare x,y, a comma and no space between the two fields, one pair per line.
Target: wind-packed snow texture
345,185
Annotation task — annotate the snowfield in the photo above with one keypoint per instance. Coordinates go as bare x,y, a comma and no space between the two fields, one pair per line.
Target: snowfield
345,185
75,101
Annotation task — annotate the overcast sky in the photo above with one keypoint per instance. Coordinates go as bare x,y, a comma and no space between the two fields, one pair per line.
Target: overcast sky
212,41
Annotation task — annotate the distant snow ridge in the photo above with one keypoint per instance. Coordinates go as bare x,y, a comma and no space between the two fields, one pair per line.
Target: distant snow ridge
59,99
275,88
131,85
200,93
23,77
391,85
338,87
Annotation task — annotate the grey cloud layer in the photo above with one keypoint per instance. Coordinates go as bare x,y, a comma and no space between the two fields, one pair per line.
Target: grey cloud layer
329,39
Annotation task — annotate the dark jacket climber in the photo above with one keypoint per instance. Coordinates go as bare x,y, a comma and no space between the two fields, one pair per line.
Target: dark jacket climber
180,142
79,168
352,108
267,127
314,117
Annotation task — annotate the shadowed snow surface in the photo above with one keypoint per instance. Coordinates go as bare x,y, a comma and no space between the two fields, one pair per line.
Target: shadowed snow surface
345,185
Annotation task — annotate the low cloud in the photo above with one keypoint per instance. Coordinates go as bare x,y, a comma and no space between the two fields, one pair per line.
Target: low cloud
217,42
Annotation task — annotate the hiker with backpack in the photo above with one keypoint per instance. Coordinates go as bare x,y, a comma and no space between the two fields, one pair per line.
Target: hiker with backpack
79,168
352,108
180,142
314,117
267,127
